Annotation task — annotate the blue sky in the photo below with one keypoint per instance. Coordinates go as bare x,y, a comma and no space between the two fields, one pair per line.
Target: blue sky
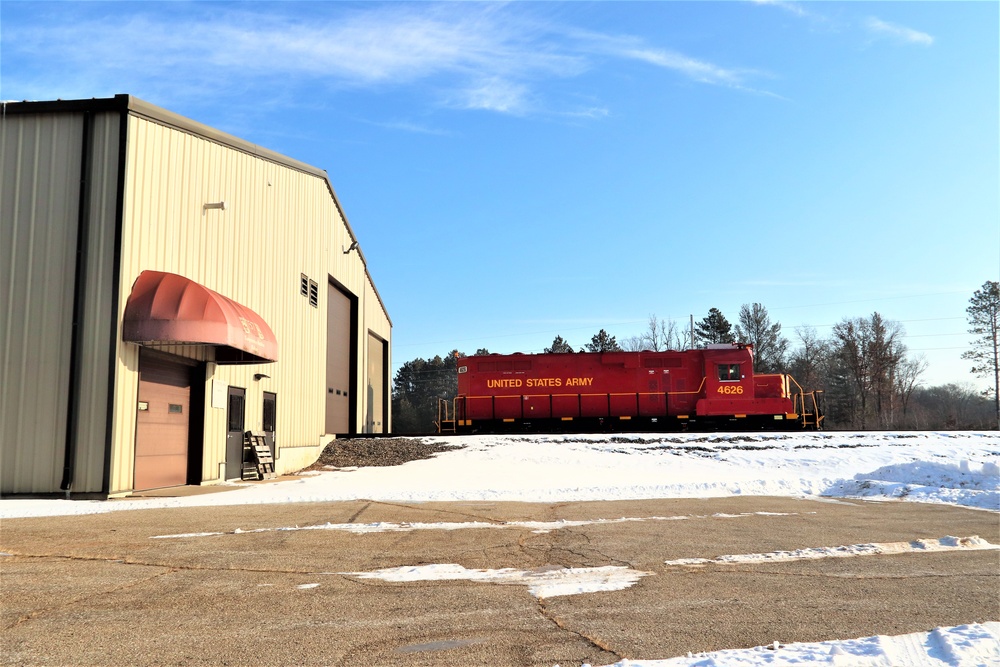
524,170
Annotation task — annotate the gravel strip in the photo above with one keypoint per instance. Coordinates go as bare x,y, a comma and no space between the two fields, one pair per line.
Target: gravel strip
364,452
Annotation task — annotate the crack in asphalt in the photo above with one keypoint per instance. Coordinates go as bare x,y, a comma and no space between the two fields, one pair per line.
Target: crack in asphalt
118,560
32,615
469,515
359,512
595,642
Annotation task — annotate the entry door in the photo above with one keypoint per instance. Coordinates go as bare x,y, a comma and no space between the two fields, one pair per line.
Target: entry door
162,423
234,436
270,418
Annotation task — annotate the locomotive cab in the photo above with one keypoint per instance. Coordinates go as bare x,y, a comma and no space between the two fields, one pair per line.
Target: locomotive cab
729,385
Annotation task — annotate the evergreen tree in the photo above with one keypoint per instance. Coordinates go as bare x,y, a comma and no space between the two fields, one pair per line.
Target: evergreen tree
714,328
558,345
984,323
416,389
769,346
602,342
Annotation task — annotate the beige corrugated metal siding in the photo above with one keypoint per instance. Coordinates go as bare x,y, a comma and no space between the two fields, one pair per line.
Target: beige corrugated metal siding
278,224
281,220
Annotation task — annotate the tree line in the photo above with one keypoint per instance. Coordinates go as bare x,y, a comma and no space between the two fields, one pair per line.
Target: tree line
869,379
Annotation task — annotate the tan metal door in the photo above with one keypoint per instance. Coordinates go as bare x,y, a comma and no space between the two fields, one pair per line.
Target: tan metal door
338,362
375,419
162,423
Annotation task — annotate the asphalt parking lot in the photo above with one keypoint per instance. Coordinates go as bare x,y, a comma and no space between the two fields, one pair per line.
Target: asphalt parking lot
100,590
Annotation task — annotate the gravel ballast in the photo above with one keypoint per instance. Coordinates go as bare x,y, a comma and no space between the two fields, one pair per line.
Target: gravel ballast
365,452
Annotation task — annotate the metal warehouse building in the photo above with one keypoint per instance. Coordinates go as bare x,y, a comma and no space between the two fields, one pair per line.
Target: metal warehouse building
167,287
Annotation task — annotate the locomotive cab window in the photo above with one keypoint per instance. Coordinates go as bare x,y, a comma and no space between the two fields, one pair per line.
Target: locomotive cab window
729,372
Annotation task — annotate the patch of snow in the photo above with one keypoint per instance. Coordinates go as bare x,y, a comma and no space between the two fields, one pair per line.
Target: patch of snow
534,526
544,582
947,543
976,644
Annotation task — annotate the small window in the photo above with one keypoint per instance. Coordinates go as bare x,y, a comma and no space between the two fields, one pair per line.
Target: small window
313,294
304,285
729,372
175,409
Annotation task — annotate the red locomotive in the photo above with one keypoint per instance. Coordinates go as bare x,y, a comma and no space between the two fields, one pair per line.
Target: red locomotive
712,388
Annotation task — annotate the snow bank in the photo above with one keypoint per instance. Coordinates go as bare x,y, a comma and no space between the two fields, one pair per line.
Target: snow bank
955,468
963,645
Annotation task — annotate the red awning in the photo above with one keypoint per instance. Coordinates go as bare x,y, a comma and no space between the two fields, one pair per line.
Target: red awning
167,309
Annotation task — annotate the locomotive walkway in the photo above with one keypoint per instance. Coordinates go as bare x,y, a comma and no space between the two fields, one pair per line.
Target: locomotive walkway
240,585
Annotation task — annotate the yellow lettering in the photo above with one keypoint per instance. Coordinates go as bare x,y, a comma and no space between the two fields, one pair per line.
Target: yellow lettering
506,383
544,382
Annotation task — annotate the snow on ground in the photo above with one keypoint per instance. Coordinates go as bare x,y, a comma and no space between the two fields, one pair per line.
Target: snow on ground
954,468
963,645
960,468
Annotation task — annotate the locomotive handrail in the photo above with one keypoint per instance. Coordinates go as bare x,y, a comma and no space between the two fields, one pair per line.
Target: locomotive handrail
446,421
799,405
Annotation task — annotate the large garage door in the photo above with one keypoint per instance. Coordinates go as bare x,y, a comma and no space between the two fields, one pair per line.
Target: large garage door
375,420
162,423
338,362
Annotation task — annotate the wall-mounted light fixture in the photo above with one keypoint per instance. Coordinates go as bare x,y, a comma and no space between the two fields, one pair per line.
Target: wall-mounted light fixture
260,376
354,246
221,205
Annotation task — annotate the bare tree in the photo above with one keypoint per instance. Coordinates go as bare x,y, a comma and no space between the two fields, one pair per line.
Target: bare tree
769,346
907,380
809,363
871,352
661,335
633,344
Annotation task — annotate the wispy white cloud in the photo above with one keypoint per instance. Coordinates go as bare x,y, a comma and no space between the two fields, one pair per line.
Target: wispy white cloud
695,69
408,126
494,94
790,7
897,32
474,57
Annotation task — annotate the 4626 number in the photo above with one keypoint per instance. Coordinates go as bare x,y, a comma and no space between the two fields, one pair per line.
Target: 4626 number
730,389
